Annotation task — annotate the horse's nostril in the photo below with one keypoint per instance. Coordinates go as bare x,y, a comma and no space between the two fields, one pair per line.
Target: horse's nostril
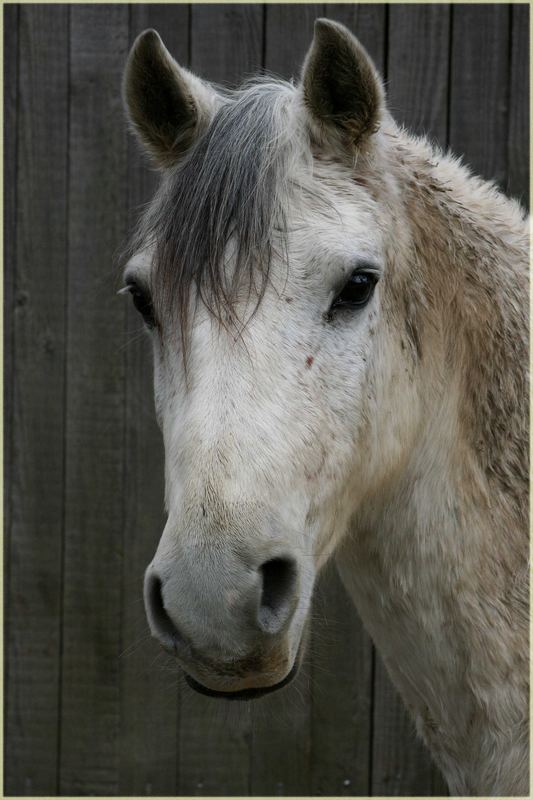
279,582
160,622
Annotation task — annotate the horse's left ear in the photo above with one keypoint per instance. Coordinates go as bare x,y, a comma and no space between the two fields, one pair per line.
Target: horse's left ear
341,87
167,105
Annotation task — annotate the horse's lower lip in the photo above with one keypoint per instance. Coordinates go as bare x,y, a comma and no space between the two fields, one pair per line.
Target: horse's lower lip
244,694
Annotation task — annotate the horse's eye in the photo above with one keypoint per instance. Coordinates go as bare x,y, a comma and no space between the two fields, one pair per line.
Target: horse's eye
356,292
143,303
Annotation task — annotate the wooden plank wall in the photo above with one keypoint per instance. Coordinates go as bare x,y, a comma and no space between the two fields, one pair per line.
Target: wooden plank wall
92,707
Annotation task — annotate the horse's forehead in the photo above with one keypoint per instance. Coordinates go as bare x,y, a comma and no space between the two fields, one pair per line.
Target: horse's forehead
330,219
337,222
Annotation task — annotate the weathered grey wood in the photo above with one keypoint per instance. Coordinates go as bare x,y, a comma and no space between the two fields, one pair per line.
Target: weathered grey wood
281,740
226,42
342,693
288,34
417,68
11,31
226,45
149,693
518,148
95,405
36,471
214,746
479,88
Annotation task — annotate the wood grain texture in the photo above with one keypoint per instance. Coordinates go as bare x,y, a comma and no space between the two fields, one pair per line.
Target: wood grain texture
148,680
214,746
281,740
36,471
226,42
95,405
479,88
417,68
11,89
342,694
518,147
288,36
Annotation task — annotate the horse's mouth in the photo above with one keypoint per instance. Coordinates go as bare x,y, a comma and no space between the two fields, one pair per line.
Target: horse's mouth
243,694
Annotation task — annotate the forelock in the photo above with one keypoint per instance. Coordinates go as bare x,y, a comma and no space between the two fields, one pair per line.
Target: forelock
231,187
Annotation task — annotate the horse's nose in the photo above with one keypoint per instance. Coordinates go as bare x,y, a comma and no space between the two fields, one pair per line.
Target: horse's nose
161,624
262,607
278,595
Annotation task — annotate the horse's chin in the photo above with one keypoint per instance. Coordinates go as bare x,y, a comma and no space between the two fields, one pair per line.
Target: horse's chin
243,694
253,683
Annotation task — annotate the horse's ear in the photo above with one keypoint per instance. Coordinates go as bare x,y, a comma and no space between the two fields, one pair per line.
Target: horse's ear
166,104
341,87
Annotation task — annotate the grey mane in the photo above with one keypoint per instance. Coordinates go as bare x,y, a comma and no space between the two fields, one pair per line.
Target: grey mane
229,189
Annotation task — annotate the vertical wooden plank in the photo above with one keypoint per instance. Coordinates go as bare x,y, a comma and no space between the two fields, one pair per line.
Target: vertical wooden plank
418,65
342,693
214,752
36,474
149,696
281,739
95,405
479,88
10,75
11,32
288,35
226,42
214,749
342,666
518,147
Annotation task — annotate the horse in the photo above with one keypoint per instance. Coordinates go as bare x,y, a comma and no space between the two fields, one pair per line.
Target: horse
338,312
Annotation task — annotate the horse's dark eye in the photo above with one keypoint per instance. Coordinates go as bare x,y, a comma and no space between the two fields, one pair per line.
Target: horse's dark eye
356,292
143,303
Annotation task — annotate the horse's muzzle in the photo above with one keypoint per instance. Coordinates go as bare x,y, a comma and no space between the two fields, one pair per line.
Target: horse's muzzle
250,612
254,655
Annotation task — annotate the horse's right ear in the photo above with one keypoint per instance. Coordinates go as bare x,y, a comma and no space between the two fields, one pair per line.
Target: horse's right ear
166,104
342,90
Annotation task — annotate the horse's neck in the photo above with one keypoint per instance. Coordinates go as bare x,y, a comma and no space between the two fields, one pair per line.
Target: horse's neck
441,585
447,611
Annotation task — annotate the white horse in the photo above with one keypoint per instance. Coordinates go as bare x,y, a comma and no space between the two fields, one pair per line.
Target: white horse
339,323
